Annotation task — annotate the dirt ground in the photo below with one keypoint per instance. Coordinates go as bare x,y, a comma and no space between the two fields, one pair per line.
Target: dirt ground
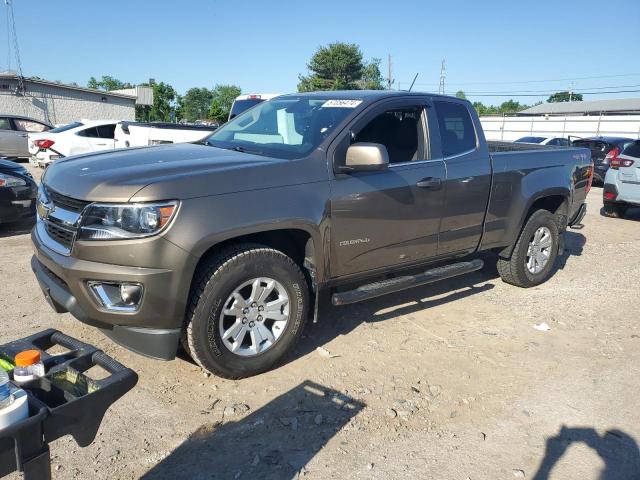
449,381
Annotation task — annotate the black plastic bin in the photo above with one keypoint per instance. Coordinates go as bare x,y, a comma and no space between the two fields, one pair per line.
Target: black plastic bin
63,402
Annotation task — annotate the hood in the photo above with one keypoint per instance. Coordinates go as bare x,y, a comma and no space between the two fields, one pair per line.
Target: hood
165,172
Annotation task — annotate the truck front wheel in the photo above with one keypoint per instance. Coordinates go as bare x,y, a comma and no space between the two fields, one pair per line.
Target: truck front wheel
247,310
534,255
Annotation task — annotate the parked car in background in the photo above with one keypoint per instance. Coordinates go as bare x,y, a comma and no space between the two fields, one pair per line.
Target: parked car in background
77,137
245,102
622,182
557,141
603,151
14,131
226,245
18,192
140,134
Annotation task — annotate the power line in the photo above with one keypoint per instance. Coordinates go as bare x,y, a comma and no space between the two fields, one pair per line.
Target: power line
547,93
550,80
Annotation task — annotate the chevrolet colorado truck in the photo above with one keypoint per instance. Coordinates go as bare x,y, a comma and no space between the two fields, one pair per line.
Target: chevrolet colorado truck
227,246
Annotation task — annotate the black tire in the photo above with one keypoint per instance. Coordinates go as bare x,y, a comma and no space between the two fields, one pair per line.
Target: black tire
513,270
215,281
614,210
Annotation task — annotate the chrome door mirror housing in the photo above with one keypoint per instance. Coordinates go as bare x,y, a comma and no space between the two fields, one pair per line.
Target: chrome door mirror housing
366,157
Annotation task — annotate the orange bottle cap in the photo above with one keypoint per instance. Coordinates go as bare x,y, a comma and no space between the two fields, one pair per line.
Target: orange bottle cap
26,358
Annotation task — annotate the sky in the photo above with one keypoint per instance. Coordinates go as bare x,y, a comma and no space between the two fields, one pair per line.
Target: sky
507,47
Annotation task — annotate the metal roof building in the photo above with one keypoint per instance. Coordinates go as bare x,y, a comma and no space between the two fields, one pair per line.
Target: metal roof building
58,103
616,106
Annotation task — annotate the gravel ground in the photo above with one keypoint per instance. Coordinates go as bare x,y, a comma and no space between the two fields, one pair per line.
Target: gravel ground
449,381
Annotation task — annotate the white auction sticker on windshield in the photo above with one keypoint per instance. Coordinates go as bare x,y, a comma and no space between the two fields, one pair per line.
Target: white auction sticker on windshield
341,103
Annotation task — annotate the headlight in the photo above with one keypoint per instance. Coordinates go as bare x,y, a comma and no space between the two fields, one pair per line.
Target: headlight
119,222
11,181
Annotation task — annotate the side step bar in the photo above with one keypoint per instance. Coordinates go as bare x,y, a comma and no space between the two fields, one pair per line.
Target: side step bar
383,287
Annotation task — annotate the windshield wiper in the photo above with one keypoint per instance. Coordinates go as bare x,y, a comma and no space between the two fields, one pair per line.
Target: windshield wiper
238,148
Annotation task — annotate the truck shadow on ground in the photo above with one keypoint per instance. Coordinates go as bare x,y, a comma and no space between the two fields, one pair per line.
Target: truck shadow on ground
334,321
274,442
618,450
19,228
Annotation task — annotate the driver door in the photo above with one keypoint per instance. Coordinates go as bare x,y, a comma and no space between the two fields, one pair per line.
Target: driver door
390,217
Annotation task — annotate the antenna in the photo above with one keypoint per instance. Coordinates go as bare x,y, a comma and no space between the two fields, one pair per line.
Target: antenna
414,81
443,74
13,35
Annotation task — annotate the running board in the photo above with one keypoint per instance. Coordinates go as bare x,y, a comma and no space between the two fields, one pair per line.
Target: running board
384,287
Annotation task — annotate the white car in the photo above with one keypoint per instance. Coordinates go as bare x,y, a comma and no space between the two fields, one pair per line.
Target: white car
139,134
84,136
622,183
557,141
245,102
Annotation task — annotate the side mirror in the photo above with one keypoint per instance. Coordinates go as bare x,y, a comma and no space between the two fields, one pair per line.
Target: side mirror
366,157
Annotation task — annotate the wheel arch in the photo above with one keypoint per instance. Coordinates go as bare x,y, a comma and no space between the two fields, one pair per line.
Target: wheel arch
554,200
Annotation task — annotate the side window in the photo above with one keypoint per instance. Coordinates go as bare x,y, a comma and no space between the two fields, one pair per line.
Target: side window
89,132
400,131
553,141
29,125
5,124
456,128
106,131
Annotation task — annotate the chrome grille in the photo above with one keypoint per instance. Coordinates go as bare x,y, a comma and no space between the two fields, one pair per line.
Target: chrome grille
65,202
64,236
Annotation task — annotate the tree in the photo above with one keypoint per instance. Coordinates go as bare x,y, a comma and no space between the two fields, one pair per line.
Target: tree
164,102
460,94
565,97
223,97
195,104
371,76
510,106
338,66
108,83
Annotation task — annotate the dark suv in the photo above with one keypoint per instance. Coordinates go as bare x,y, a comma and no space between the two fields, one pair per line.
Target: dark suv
603,150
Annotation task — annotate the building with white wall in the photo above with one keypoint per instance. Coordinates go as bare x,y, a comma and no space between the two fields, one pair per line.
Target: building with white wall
57,103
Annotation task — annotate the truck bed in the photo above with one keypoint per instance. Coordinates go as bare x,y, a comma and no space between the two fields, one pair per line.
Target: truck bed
496,146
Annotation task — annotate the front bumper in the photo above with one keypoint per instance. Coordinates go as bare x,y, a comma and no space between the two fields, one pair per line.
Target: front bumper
153,330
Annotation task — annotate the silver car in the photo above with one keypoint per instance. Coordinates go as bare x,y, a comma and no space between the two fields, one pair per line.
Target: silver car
13,134
622,183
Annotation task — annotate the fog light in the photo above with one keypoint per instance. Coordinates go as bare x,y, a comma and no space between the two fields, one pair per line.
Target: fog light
117,297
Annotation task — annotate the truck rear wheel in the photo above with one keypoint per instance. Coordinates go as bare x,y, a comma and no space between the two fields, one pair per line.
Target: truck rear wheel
247,310
534,255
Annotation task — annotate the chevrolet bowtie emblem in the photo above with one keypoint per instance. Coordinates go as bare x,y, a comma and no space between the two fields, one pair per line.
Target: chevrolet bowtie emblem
44,209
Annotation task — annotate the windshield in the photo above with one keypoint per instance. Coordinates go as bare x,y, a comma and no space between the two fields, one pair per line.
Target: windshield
64,128
531,140
287,128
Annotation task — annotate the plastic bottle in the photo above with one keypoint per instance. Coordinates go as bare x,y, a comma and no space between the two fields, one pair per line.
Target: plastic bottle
28,366
6,397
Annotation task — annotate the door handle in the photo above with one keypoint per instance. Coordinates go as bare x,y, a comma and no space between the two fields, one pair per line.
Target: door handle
430,182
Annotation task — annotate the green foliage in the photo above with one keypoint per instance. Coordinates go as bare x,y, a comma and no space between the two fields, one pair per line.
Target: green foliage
510,106
107,83
339,66
222,100
371,76
565,97
461,94
164,101
195,104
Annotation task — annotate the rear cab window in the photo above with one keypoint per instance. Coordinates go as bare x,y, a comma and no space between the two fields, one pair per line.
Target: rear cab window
457,133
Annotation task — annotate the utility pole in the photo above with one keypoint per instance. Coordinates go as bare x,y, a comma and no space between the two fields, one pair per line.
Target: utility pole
571,91
443,74
389,78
